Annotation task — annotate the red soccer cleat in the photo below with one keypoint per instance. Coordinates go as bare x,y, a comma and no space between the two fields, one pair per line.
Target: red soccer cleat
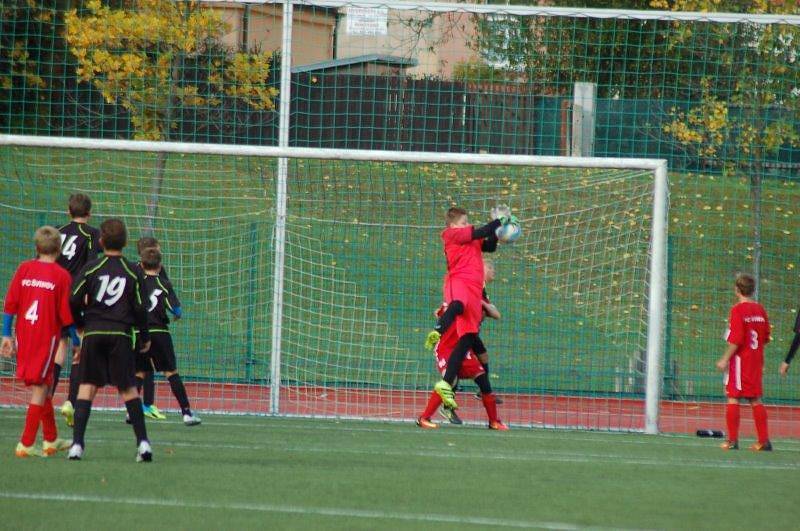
426,424
762,447
498,425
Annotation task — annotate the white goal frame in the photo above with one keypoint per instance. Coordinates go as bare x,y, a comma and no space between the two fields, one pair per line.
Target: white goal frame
657,274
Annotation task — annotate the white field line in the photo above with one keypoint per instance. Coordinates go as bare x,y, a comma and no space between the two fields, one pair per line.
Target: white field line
401,429
337,512
436,453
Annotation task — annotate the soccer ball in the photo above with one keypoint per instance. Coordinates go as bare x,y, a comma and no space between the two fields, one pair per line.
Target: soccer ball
508,233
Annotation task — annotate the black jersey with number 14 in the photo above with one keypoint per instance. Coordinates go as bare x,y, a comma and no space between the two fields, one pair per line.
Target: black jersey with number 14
80,243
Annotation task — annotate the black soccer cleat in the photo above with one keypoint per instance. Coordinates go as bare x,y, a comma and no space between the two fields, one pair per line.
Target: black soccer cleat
450,415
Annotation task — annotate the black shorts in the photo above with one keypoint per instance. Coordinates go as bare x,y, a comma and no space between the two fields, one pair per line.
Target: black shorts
107,358
478,347
160,357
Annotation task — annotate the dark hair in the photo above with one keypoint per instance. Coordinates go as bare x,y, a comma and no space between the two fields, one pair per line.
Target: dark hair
113,234
151,258
746,284
145,242
453,214
80,205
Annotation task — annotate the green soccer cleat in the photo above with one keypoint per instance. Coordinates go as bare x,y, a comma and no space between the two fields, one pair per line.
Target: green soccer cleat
52,448
68,412
432,339
445,392
153,412
450,415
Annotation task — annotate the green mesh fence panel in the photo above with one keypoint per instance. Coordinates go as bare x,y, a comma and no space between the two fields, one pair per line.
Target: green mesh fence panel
717,97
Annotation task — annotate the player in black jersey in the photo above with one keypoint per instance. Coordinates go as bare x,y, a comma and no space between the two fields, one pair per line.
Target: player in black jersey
108,301
161,356
146,383
80,243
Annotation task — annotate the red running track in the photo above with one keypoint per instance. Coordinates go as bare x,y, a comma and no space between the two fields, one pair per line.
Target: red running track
522,409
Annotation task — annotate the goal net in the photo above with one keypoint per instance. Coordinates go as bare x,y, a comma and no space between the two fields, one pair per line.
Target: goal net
362,276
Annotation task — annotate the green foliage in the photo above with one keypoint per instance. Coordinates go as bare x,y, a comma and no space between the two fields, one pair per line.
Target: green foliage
134,57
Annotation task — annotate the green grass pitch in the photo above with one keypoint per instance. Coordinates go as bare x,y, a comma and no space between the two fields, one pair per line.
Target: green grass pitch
239,472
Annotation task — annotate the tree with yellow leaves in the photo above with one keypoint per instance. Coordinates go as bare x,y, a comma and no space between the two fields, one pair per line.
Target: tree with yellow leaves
750,108
136,56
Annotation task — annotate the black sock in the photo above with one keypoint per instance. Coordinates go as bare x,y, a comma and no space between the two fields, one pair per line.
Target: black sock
453,310
56,377
139,384
134,407
178,389
149,387
483,384
457,357
82,410
485,368
74,383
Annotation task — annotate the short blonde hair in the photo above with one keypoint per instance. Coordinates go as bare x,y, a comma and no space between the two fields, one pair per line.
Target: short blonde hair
47,240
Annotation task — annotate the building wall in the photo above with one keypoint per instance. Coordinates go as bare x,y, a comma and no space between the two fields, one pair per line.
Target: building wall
312,32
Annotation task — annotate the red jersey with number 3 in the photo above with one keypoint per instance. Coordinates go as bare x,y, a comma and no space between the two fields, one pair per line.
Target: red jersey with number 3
39,298
748,329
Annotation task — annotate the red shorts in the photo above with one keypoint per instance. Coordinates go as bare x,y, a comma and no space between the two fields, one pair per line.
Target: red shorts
743,379
471,296
471,368
36,368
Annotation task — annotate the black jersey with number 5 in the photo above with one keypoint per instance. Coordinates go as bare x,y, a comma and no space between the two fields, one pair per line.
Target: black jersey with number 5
160,298
108,296
80,243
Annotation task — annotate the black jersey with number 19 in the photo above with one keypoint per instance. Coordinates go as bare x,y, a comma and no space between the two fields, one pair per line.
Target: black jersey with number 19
80,243
109,296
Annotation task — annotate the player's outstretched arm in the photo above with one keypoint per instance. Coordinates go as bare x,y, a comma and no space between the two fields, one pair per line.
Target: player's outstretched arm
491,310
486,230
790,355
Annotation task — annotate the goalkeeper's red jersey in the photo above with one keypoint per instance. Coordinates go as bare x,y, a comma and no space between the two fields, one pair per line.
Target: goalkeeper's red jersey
464,257
748,329
39,298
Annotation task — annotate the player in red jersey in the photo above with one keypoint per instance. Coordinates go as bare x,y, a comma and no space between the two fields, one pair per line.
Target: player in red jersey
39,297
463,247
748,332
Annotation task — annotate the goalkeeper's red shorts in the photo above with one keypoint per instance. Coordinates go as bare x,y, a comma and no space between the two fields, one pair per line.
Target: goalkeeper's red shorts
470,295
471,368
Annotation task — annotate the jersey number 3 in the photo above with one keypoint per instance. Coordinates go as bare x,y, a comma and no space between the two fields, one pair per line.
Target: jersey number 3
110,289
753,340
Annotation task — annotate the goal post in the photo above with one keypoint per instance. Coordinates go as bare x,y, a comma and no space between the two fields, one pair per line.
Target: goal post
584,289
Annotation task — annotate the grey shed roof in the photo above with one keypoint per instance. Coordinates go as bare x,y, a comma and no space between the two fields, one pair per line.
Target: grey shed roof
389,60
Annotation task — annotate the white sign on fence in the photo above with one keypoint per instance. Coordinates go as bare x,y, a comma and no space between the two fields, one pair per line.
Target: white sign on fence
367,20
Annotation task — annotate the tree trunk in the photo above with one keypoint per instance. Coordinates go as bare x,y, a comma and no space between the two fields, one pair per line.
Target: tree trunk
755,195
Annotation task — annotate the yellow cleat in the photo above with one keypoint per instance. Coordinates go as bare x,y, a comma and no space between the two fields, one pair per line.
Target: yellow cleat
68,412
153,412
27,451
431,340
52,448
445,392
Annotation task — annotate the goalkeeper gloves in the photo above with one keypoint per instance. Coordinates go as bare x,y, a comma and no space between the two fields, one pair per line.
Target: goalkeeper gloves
499,212
508,220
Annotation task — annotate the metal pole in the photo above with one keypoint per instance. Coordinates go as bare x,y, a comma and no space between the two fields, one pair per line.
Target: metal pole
657,296
280,211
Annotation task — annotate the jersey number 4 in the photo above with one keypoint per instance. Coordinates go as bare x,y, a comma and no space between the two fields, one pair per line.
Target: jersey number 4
68,247
32,314
110,289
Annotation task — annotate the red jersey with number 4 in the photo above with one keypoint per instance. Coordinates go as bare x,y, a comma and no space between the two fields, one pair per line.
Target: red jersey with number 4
39,298
748,329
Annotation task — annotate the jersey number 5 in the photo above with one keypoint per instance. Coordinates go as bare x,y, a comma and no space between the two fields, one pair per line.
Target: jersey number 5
110,289
154,299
